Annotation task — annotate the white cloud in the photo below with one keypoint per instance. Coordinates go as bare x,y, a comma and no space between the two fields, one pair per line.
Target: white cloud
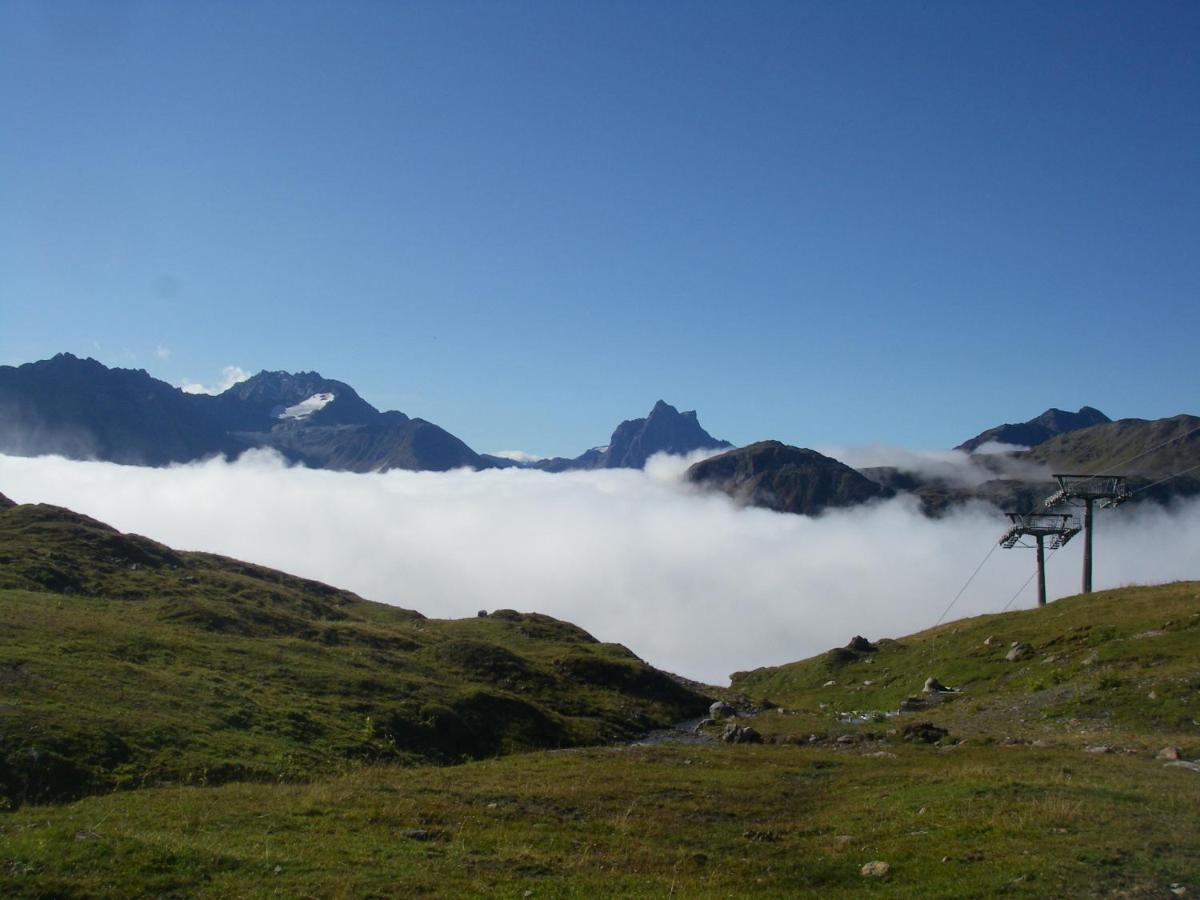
162,352
956,467
515,455
689,581
230,375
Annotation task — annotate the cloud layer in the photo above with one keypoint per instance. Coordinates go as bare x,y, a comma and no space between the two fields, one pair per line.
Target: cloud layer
230,375
691,582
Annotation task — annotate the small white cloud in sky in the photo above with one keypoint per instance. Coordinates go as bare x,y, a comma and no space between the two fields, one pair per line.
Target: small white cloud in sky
688,580
162,352
230,375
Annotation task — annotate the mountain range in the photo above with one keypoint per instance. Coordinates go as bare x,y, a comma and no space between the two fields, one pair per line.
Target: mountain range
81,409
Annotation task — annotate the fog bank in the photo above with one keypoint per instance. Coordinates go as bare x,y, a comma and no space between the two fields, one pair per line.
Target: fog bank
691,582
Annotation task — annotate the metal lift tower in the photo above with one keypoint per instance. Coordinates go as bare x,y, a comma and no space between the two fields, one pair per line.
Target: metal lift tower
1059,527
1086,491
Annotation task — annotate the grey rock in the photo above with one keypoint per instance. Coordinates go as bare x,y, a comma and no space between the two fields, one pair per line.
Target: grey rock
933,686
1184,764
722,710
1098,748
1171,753
876,868
925,732
1018,651
740,734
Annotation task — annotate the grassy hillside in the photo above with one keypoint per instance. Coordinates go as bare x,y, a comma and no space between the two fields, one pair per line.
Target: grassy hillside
124,663
1120,665
1012,801
1174,446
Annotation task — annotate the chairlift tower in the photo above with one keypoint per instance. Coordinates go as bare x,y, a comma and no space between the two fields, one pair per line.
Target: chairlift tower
1086,491
1059,527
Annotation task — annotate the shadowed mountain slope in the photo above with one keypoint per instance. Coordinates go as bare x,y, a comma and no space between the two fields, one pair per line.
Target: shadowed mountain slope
81,409
1038,430
786,479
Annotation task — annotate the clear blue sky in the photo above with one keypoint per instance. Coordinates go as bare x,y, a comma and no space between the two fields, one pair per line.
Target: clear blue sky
526,221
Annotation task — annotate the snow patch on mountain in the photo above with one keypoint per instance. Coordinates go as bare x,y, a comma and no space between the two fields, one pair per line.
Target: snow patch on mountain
306,408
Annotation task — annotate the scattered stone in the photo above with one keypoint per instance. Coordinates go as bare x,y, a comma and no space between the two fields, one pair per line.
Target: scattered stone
860,644
829,683
1098,748
933,686
989,640
740,734
1092,658
1153,695
1171,753
925,732
86,835
883,754
722,710
843,840
1184,764
875,869
482,614
868,683
848,739
702,724
1018,651
1041,744
1179,890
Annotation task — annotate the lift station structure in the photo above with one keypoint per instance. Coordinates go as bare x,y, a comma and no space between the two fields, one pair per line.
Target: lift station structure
1058,527
1087,491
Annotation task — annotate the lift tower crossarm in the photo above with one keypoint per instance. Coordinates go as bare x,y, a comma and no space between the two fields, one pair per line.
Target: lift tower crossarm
1059,527
1086,491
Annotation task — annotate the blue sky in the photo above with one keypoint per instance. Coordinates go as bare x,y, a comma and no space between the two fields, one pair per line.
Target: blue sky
825,223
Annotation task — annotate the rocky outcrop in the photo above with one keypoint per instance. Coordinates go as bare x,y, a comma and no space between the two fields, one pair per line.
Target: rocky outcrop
776,476
664,430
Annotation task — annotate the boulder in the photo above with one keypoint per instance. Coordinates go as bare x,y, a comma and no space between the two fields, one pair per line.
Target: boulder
722,710
860,644
740,734
933,686
1018,652
1168,753
925,732
876,868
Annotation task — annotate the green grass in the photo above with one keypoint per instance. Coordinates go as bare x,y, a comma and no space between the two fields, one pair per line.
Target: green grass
1118,666
775,820
160,666
242,733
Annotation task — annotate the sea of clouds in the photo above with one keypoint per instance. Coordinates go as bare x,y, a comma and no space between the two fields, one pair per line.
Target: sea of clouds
689,581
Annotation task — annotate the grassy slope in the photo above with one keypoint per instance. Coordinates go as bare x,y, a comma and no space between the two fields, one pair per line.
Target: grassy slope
1174,442
125,663
986,812
973,817
1095,660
